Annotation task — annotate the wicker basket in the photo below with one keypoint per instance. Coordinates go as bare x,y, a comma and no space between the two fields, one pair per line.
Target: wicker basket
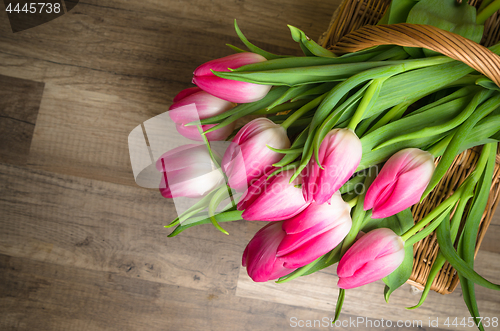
352,15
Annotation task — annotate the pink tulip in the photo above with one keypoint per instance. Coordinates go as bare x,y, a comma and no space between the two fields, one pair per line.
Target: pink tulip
274,199
188,171
314,232
374,256
400,183
339,155
194,104
260,257
248,156
230,90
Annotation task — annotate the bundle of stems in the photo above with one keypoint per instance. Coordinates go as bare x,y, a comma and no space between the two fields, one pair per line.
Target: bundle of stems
393,97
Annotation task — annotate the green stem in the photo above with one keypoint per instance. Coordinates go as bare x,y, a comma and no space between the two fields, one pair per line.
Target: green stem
437,149
436,212
368,100
484,3
218,197
395,113
353,202
358,215
487,12
300,271
301,111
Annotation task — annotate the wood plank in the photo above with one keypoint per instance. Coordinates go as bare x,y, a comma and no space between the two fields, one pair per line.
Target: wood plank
101,226
19,104
85,133
97,48
45,296
490,241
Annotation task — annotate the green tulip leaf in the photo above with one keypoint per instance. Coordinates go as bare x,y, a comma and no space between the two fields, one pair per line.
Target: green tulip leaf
228,216
254,48
446,247
449,16
340,303
487,83
399,276
398,11
399,223
309,46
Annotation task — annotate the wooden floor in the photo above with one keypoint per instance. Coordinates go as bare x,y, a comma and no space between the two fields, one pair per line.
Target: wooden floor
82,247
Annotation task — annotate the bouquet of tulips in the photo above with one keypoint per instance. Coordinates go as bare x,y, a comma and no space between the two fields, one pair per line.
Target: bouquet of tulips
341,148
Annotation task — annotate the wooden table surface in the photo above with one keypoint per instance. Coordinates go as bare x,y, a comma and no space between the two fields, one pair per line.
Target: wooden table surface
82,247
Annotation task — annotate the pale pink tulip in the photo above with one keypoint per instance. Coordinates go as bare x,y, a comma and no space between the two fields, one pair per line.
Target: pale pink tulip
339,155
314,232
188,171
194,104
375,255
400,183
274,199
230,90
260,257
248,156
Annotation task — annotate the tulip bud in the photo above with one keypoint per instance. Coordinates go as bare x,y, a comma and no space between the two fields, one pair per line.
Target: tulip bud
274,200
400,183
194,104
188,171
260,257
248,156
314,232
339,155
375,255
230,90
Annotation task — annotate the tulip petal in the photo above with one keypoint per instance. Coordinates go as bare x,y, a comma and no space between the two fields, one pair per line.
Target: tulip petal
248,156
232,61
315,247
280,200
198,106
339,154
260,254
371,246
372,271
231,90
186,92
400,183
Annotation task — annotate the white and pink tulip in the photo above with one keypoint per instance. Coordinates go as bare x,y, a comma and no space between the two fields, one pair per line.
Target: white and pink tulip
339,155
230,90
375,255
194,104
248,156
400,183
188,171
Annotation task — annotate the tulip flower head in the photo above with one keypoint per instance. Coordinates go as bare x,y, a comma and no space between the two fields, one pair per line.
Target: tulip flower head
375,255
274,199
188,171
230,90
260,257
194,104
400,183
314,232
339,155
248,156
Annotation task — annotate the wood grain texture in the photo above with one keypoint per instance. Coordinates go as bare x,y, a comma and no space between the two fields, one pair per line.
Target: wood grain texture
95,46
82,247
19,103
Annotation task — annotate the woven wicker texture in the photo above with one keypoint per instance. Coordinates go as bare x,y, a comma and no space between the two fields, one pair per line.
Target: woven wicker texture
353,15
426,250
417,35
